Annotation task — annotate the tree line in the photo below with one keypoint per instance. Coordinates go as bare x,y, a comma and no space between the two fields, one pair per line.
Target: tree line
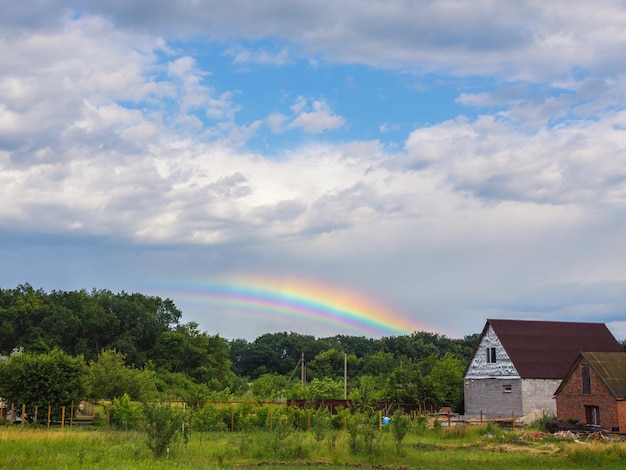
103,345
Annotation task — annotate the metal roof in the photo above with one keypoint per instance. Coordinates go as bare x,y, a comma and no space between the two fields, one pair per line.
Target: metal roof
547,349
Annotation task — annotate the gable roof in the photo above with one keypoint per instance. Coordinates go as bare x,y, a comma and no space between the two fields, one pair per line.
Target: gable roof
547,349
611,368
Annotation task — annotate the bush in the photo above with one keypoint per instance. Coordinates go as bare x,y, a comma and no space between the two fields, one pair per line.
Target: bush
124,413
399,427
163,425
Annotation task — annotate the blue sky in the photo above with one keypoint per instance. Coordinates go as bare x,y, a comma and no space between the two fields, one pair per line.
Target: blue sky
456,161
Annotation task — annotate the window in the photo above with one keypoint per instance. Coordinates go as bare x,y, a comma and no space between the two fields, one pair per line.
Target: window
491,355
593,415
586,379
507,388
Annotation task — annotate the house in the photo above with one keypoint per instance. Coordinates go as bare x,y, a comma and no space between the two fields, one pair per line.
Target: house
518,364
594,391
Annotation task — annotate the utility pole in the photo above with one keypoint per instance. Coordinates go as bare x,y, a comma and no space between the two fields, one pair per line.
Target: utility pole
345,375
303,371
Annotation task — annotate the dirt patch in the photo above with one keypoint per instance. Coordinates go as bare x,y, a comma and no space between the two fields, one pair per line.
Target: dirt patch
549,449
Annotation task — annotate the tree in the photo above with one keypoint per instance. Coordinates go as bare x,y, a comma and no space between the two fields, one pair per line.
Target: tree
324,389
446,380
53,378
110,378
406,385
268,386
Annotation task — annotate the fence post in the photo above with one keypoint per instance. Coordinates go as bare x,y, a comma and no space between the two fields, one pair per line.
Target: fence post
12,412
36,410
49,411
380,420
513,419
308,420
23,413
63,417
72,415
481,416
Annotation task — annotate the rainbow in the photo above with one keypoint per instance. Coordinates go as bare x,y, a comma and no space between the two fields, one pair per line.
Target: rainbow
305,301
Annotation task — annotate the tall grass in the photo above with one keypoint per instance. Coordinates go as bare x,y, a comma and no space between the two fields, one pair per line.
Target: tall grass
455,447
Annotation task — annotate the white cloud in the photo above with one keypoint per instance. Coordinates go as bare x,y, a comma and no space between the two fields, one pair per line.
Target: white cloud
319,119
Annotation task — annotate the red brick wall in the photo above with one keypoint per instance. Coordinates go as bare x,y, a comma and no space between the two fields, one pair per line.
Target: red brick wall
570,402
621,415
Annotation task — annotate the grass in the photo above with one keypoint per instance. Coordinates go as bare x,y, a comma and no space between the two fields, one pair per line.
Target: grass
458,447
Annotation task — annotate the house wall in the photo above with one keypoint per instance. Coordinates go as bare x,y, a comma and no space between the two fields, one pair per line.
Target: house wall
621,415
538,394
480,368
485,382
571,402
491,397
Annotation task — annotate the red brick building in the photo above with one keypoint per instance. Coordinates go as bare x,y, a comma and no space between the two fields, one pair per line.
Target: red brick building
594,391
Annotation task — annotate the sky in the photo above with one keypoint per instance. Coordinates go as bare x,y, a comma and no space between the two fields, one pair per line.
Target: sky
357,167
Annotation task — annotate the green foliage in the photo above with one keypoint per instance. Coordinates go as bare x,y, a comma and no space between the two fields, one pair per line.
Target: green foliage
445,380
400,425
163,425
363,435
209,418
421,423
405,384
136,344
324,389
321,424
53,378
111,378
268,386
125,414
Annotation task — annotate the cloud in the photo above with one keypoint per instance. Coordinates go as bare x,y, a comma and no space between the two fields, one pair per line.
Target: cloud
243,55
116,135
579,163
319,119
525,40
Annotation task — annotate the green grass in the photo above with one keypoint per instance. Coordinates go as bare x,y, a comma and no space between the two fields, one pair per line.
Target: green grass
462,447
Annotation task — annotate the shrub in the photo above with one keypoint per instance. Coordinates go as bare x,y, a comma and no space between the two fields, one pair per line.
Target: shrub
124,413
399,427
163,424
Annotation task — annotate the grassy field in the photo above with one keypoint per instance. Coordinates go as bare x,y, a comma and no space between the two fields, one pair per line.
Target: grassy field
463,447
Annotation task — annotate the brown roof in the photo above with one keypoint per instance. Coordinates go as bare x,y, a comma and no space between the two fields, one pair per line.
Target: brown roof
547,349
611,367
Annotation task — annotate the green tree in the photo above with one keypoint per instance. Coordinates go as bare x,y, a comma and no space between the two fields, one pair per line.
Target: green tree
445,380
324,389
268,386
111,378
53,378
406,385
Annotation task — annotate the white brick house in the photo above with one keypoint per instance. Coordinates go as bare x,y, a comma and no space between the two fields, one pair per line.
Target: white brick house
518,365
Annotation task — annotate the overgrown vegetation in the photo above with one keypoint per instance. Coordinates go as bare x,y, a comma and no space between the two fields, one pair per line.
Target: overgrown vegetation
468,447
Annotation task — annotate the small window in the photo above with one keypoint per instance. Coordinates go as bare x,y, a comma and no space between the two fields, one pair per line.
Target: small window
586,379
491,355
507,388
